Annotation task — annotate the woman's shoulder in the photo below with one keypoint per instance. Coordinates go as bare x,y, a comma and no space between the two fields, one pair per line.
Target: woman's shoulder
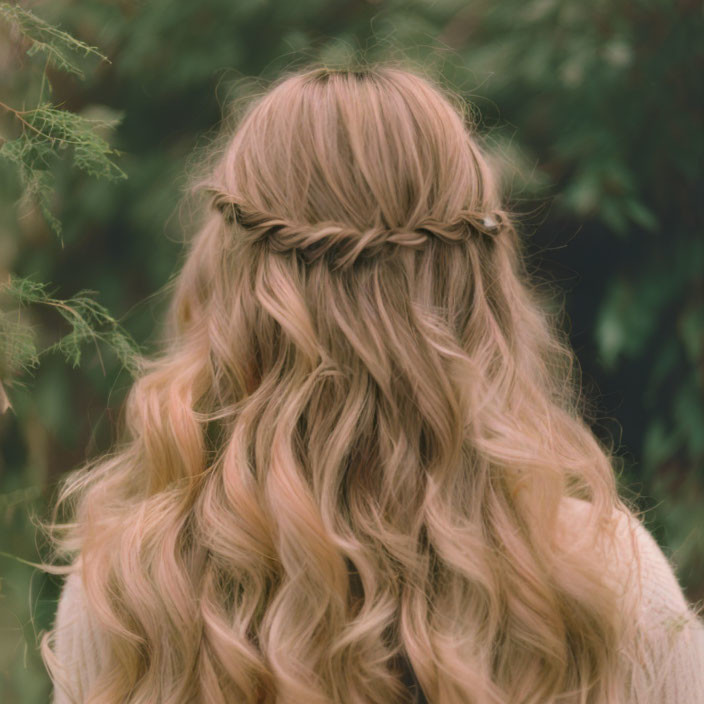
77,645
634,545
671,661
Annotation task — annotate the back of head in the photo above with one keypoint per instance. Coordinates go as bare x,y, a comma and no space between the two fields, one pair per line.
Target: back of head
375,151
355,448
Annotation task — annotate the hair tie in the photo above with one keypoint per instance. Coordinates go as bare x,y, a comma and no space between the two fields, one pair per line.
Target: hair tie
490,223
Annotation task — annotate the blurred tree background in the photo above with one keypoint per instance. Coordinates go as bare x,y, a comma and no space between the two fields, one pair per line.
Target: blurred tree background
595,110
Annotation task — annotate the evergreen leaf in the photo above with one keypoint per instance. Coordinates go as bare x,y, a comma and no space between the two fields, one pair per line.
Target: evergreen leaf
59,47
89,321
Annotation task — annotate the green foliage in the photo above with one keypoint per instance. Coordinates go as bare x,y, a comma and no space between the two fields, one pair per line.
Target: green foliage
46,130
89,322
46,133
59,47
17,346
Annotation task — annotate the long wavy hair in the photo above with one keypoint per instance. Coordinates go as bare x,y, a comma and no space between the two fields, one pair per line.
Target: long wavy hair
363,450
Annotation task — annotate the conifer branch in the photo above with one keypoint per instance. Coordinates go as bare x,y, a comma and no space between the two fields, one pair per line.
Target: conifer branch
89,322
58,46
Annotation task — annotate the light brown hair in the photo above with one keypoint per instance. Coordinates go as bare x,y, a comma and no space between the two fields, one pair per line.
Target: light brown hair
363,443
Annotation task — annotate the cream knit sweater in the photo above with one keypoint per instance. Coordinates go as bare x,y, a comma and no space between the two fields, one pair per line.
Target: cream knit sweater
672,674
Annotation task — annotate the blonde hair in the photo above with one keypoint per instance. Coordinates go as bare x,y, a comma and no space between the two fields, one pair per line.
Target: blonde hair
363,446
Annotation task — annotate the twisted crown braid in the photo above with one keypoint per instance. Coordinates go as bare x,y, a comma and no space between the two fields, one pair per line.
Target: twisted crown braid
315,240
